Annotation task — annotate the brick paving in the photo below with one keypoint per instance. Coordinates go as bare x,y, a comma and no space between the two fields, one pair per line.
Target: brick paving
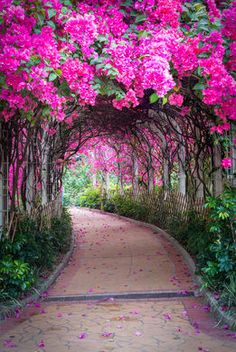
116,256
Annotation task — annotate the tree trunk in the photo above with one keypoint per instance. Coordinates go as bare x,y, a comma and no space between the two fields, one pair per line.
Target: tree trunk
3,192
198,177
182,172
121,185
30,182
135,175
166,174
217,175
150,172
44,169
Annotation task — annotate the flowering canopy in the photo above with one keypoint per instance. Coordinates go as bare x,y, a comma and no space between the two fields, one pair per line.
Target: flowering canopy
111,61
57,52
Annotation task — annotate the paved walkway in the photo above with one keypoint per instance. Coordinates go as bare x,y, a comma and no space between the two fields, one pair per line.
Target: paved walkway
115,256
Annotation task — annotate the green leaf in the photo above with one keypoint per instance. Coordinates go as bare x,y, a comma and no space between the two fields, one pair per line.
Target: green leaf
126,3
51,24
40,17
64,89
51,13
199,86
164,100
58,72
52,77
143,34
153,98
140,18
67,3
204,55
65,10
102,38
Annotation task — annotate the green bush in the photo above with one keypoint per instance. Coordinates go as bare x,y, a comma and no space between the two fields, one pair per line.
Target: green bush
193,234
32,252
219,263
61,229
16,277
74,181
91,198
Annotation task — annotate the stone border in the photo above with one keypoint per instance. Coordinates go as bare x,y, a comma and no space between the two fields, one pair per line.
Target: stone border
43,286
119,296
207,295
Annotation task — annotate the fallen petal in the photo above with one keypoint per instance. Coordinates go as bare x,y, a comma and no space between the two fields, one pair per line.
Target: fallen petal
83,335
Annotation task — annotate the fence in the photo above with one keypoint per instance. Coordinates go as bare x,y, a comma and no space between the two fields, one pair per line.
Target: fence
43,215
165,205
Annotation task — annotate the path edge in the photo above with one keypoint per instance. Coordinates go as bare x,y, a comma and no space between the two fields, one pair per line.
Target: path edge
220,315
43,287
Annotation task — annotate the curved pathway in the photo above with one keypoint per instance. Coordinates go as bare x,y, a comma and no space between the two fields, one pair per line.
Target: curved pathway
114,260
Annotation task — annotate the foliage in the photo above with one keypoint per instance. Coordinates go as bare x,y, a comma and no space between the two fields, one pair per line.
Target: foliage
192,234
32,252
219,270
127,206
74,181
91,198
16,276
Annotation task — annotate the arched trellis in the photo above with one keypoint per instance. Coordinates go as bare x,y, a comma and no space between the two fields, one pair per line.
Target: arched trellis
34,156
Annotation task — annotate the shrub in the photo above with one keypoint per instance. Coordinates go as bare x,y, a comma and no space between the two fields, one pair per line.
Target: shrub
91,198
74,181
32,252
219,268
16,276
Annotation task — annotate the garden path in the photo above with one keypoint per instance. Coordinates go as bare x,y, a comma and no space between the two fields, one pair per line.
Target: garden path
89,309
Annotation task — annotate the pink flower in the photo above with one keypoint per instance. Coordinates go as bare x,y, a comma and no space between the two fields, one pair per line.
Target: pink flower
9,343
83,335
41,344
167,316
176,99
37,305
17,313
220,128
226,163
232,334
45,294
107,334
185,110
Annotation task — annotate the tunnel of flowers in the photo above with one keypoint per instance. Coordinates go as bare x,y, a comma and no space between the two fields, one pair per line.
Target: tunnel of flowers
135,98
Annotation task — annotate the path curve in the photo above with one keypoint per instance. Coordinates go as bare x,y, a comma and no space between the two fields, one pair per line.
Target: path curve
115,255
